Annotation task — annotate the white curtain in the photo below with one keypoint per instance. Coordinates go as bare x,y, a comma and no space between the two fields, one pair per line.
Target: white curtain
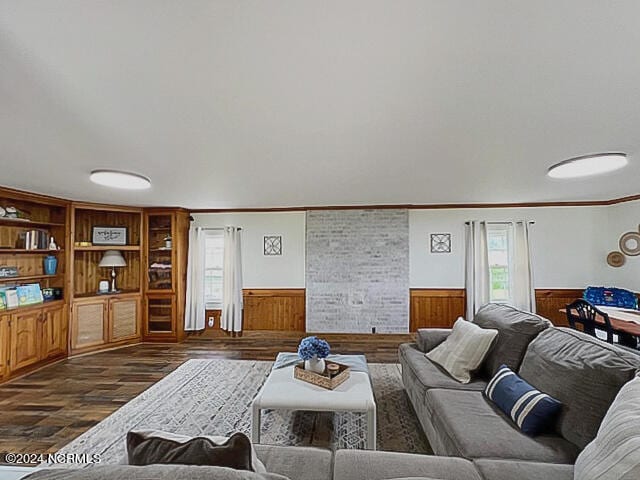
524,296
231,320
194,311
477,267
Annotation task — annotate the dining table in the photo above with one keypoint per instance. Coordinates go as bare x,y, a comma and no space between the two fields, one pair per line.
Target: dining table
625,322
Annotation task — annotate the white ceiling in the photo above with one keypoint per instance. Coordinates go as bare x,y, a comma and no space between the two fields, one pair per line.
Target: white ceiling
289,103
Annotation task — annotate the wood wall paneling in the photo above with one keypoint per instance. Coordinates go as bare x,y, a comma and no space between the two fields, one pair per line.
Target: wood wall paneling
550,301
439,308
435,308
274,309
86,219
87,274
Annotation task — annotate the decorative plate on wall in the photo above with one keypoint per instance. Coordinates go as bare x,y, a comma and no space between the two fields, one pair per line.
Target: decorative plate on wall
615,259
630,244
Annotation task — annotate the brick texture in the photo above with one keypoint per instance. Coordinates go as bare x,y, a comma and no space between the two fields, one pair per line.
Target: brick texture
357,271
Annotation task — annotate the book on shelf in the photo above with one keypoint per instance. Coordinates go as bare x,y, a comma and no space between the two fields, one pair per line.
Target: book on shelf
29,294
21,295
34,240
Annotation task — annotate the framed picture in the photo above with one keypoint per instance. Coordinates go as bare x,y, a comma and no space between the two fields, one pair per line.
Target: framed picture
272,245
109,235
440,243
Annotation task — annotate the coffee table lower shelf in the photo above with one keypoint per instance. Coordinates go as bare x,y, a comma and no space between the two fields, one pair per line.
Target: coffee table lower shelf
281,391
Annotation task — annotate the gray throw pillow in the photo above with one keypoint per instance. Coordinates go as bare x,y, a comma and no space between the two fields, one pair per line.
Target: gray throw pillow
147,450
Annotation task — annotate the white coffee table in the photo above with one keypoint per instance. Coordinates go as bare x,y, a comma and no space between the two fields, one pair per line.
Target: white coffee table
283,392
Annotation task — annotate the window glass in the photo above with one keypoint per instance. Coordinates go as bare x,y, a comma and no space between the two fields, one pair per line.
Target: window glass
214,257
499,255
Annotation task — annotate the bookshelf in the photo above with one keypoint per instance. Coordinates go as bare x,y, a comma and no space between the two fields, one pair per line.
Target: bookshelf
165,257
33,335
99,320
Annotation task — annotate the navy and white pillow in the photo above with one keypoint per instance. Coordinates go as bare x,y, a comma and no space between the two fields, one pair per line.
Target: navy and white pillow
531,410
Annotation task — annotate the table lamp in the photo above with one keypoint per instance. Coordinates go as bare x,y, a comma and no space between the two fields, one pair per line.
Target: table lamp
112,259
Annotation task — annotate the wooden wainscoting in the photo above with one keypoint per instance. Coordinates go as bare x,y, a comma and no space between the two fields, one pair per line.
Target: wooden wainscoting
281,309
550,301
435,307
439,308
274,309
284,309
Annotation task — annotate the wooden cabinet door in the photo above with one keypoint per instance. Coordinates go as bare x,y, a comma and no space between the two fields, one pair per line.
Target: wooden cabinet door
54,333
124,318
160,316
25,334
4,346
89,323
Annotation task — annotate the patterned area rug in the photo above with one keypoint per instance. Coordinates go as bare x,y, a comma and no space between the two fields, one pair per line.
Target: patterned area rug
213,397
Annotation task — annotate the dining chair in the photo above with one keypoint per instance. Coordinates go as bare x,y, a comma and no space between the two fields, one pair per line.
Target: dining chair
582,312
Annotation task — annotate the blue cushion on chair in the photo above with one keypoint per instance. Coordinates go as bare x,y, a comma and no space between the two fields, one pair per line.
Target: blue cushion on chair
530,409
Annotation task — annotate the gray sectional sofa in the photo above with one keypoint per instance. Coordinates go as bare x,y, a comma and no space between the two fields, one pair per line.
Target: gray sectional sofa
472,440
584,373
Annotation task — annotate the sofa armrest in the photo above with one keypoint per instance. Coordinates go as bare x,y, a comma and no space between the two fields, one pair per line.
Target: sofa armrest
430,338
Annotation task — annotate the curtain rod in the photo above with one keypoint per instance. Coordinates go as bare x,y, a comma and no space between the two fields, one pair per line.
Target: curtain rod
531,222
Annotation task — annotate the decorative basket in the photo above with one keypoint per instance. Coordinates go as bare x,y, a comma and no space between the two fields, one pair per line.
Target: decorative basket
322,379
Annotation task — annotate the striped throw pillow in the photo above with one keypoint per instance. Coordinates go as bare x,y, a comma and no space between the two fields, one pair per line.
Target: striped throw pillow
530,409
464,350
615,452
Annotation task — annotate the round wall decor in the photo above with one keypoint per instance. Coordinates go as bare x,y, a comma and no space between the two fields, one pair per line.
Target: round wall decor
630,244
615,259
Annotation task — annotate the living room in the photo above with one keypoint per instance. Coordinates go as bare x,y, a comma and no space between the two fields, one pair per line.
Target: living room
338,240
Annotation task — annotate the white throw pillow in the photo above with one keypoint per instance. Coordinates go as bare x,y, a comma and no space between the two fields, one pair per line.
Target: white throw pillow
615,452
464,350
258,466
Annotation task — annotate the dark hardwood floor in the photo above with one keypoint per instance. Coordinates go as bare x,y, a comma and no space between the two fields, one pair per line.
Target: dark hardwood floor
43,411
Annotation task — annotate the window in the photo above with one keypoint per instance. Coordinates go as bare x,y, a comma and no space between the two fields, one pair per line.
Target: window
214,258
499,240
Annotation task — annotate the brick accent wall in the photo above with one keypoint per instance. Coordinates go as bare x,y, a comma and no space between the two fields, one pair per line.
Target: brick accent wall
357,271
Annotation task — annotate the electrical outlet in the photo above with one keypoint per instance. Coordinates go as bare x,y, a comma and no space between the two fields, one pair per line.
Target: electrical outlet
373,329
212,320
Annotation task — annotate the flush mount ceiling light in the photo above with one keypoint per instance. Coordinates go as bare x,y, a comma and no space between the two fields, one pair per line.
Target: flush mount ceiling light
119,179
587,165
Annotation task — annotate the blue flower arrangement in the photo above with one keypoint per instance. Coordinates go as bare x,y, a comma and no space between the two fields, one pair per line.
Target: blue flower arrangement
313,346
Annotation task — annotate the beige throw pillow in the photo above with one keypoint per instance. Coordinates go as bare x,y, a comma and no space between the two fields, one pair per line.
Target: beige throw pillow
615,452
464,350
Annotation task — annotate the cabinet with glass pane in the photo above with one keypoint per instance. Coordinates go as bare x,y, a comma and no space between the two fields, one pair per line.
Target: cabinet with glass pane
166,233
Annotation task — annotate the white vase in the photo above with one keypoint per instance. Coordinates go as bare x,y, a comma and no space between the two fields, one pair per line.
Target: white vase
315,364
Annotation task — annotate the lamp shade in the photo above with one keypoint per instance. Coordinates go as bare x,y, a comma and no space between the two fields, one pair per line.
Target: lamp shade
112,258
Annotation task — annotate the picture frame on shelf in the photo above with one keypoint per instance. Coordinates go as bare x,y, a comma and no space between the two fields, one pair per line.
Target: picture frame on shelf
105,235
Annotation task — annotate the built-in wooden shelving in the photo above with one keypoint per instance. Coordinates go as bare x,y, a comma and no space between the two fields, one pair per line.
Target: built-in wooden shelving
19,251
104,248
16,222
25,278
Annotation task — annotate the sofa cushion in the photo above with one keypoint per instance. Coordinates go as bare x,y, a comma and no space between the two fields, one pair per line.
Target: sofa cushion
286,461
531,410
429,375
464,350
155,472
469,426
615,452
370,465
429,338
584,373
516,330
510,470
